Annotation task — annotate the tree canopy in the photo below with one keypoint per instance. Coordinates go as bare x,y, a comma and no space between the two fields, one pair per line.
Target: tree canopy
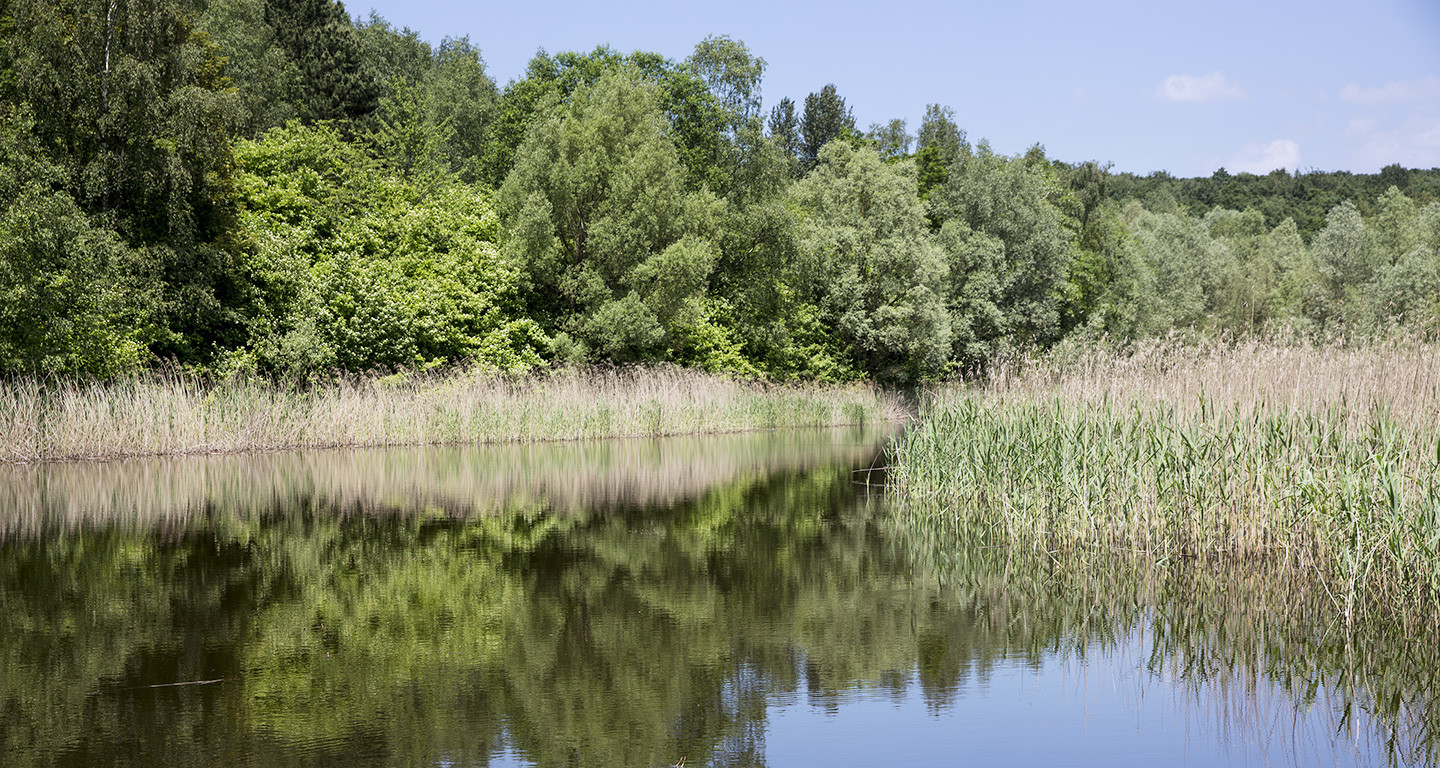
272,187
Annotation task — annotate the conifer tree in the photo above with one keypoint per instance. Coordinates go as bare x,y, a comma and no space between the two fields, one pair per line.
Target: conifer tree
826,118
336,82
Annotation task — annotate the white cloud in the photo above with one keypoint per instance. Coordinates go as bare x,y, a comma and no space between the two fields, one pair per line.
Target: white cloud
1414,144
1263,158
1199,88
1426,89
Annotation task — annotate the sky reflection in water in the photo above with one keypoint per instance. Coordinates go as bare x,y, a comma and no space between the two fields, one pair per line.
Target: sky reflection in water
731,600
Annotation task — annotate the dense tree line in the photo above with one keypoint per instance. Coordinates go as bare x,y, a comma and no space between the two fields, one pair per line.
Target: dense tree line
269,186
1307,198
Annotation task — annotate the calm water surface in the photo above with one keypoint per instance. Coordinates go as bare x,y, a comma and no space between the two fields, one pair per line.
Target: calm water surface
738,600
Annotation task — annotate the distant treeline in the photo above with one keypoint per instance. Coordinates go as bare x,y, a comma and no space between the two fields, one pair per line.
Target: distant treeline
270,187
1306,197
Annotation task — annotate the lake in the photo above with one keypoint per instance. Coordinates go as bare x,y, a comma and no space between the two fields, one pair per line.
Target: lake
733,600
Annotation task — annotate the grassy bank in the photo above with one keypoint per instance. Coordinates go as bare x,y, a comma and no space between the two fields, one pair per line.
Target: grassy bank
45,421
1325,460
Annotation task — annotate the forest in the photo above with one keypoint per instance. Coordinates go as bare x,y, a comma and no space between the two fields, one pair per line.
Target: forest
272,188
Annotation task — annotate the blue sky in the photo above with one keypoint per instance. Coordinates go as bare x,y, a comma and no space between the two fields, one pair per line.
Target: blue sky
1181,87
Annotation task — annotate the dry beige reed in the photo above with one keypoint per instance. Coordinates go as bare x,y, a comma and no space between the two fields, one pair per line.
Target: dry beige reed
161,415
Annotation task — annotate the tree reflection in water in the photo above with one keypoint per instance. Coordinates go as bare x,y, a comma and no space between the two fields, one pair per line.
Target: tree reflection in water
615,604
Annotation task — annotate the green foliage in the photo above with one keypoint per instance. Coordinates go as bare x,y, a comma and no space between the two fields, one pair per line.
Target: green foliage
871,265
358,270
67,304
1307,198
938,145
696,119
891,140
648,214
130,103
337,82
408,136
733,76
1011,241
262,73
436,103
826,118
784,126
462,97
1371,274
392,55
615,245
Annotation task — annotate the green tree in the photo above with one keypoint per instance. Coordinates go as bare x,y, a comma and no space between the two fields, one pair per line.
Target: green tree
872,267
264,76
784,126
758,281
392,55
617,249
1406,239
1183,259
442,94
68,299
1095,245
938,145
336,81
1013,205
1119,300
545,76
1347,259
696,120
357,269
130,103
409,136
1245,293
463,97
826,119
891,140
733,76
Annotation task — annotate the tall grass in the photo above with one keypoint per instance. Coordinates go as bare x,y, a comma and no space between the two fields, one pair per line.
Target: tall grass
176,414
1326,460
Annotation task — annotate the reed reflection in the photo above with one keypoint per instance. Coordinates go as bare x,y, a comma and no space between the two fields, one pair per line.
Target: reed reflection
415,608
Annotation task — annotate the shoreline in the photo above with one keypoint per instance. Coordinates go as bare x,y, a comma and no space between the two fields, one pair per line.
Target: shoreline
157,416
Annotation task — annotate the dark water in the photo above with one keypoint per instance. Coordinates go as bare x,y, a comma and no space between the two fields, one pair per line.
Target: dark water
725,601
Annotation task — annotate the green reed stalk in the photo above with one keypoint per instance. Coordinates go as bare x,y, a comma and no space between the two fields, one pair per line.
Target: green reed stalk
1343,486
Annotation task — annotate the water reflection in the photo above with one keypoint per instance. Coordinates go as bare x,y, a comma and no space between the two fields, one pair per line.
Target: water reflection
582,476
729,600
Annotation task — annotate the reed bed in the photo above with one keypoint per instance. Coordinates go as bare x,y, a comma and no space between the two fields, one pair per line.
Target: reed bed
177,414
1326,460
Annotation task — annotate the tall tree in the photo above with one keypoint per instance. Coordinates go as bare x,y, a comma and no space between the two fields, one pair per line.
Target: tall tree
826,119
358,269
463,97
336,81
696,120
892,141
69,299
130,103
392,54
938,144
785,131
263,74
873,268
1007,208
618,250
732,74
